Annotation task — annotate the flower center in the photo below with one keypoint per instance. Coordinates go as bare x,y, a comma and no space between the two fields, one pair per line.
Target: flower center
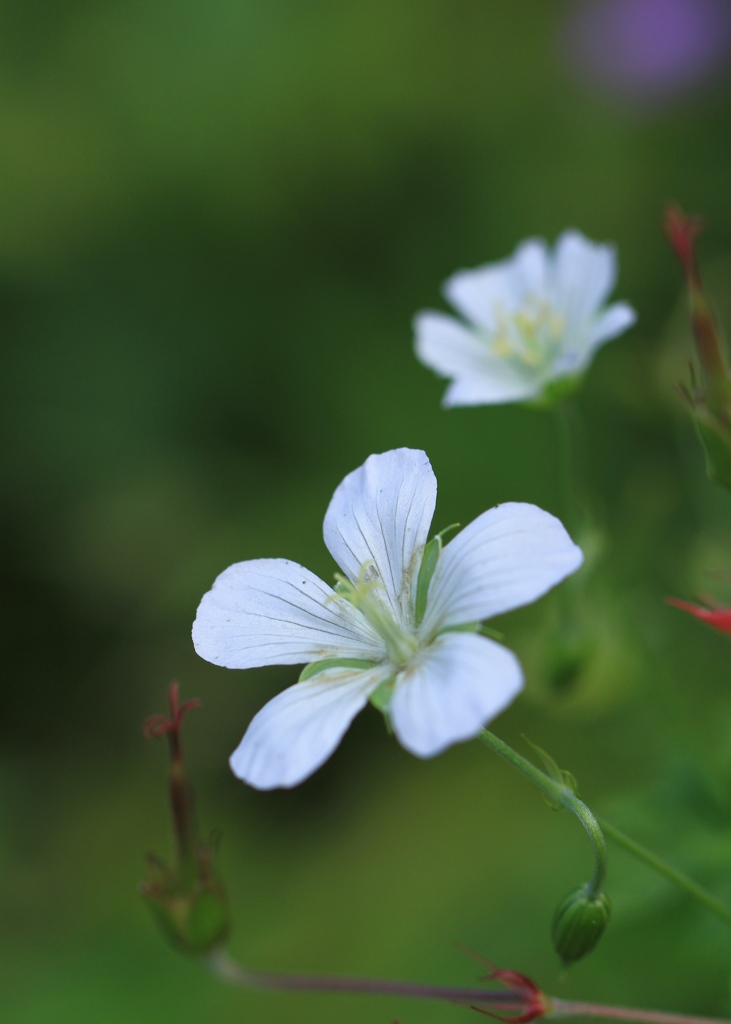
531,335
368,595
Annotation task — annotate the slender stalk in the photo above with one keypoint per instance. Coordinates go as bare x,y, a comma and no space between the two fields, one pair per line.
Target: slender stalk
560,794
565,1008
672,874
526,1003
225,967
571,515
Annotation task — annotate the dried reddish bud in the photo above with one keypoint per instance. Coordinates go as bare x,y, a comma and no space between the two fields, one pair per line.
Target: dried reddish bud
681,231
709,400
719,618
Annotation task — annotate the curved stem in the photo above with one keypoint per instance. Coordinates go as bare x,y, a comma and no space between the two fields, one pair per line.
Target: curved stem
672,874
560,794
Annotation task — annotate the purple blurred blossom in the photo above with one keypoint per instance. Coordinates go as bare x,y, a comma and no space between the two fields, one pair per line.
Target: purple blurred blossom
650,49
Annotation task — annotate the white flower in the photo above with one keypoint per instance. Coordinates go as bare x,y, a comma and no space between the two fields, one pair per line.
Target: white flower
400,628
532,319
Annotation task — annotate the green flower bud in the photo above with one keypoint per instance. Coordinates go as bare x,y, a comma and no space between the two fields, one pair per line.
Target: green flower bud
578,924
192,914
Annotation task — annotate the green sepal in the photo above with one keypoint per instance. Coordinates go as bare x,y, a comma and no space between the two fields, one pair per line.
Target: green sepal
559,775
465,627
555,392
193,914
448,529
429,560
381,696
484,630
316,667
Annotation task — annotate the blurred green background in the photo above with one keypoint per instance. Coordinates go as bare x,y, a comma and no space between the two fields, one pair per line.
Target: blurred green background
216,222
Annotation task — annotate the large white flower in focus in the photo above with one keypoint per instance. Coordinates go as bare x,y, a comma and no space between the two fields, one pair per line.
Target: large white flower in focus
532,319
400,627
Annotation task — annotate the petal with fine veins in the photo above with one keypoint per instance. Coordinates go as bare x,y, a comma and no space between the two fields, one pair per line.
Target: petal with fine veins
271,611
299,729
458,684
381,514
507,557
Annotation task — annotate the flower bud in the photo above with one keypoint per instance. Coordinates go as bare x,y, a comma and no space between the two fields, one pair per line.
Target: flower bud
578,924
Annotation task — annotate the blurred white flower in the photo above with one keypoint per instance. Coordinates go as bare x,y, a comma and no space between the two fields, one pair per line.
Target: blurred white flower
531,320
400,628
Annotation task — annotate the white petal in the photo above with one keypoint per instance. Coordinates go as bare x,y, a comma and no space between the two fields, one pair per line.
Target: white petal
453,350
507,557
477,294
611,322
271,611
381,514
299,729
491,390
585,275
461,682
531,268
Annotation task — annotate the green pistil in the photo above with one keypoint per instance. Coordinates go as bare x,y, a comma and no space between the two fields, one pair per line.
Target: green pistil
364,595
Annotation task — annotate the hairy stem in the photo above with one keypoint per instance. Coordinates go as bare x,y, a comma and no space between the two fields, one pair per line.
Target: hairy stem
562,795
594,826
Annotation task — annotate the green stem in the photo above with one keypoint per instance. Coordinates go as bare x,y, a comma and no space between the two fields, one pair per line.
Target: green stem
672,874
562,795
571,513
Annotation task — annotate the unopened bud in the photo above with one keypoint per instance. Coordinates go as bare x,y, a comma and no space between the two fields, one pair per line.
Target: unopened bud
578,924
